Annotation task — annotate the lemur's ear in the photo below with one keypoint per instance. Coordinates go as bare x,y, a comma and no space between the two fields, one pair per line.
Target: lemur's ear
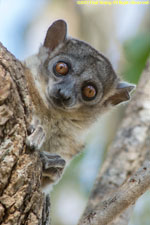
56,34
122,93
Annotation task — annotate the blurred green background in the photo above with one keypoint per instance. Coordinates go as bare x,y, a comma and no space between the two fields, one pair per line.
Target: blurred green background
122,33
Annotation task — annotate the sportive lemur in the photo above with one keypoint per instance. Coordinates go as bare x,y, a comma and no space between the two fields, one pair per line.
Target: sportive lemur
71,84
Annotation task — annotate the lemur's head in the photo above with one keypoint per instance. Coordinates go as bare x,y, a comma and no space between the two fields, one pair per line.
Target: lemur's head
77,77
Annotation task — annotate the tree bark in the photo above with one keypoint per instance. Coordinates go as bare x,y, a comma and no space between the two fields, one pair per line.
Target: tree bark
21,199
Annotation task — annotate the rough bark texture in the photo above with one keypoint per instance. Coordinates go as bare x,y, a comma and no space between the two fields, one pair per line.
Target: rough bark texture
126,154
21,201
116,188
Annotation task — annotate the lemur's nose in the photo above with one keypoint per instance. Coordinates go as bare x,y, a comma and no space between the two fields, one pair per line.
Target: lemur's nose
64,95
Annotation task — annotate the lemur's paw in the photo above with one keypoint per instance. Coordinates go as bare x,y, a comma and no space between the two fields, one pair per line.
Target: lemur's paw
51,160
36,139
53,166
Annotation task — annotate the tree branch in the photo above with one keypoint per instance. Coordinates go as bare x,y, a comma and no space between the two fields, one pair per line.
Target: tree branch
125,196
126,154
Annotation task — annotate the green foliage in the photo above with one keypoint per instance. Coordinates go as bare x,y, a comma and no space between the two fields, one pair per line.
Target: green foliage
136,51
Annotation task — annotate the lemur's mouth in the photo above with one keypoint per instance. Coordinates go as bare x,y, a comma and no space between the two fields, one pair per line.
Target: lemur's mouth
58,103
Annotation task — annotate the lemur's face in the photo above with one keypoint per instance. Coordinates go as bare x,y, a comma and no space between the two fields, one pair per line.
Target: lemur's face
78,76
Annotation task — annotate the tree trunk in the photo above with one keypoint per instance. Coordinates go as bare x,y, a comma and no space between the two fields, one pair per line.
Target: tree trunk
21,201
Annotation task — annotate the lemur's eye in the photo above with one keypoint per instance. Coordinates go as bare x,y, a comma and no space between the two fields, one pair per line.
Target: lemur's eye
89,92
61,68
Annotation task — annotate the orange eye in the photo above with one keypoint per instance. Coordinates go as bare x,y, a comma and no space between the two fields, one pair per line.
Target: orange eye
89,92
61,68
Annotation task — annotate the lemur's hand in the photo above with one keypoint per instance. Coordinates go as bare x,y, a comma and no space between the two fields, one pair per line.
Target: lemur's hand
53,166
36,138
